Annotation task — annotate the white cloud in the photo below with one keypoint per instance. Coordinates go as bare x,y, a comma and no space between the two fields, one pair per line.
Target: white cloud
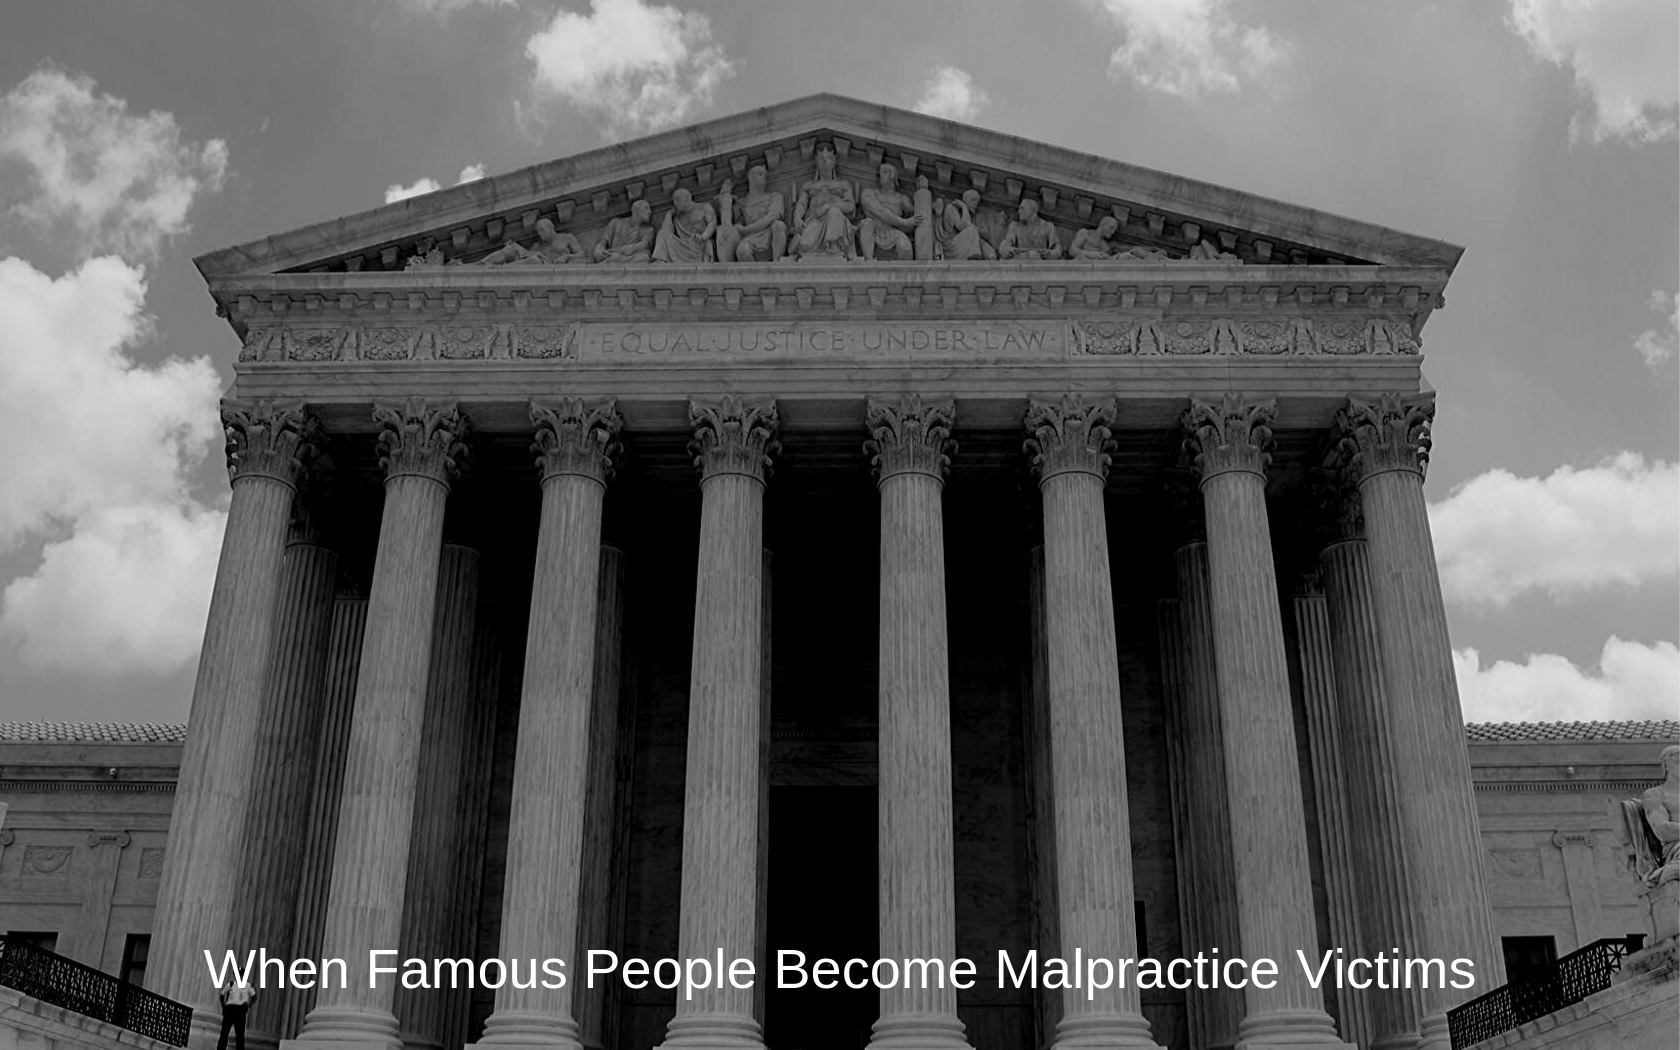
1625,55
1573,531
128,591
113,181
950,93
1631,681
398,192
98,455
1189,47
1657,346
638,66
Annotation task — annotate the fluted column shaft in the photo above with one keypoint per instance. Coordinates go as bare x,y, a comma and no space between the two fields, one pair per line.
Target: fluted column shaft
1388,442
200,883
376,808
450,698
1201,734
1330,794
1069,443
733,441
285,758
1267,815
917,895
551,765
596,897
1382,883
338,694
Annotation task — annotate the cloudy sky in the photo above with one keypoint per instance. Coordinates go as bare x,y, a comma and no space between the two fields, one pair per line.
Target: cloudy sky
1540,134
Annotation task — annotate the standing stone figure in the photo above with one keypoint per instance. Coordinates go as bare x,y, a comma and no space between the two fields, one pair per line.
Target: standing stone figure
1030,237
1095,243
686,234
629,239
955,232
552,248
887,215
760,227
1649,830
822,216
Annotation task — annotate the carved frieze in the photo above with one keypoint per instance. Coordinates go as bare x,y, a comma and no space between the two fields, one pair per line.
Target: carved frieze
151,863
1105,337
47,861
544,342
1518,864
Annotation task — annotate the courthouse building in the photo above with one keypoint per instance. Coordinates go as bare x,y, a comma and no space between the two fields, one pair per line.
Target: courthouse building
830,528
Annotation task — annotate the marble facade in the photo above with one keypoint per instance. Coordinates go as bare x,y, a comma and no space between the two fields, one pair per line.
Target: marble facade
580,705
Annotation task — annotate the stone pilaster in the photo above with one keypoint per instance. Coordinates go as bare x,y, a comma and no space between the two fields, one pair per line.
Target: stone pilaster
419,448
285,760
575,445
86,944
917,896
1069,444
1197,737
451,696
596,897
1369,762
733,443
1315,651
1266,814
200,883
338,694
1386,443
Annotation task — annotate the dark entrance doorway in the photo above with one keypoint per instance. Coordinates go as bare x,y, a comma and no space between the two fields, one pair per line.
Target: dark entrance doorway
821,902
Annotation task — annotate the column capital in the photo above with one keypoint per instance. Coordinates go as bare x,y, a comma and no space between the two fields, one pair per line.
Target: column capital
1386,434
268,439
733,436
420,438
1069,436
1233,434
119,839
910,436
576,437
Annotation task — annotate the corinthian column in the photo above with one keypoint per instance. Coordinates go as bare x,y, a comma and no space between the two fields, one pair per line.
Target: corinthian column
1069,444
1381,877
419,445
917,896
200,886
1387,445
575,445
733,442
1266,814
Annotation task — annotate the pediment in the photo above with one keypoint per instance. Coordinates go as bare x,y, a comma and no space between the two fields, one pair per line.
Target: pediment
1164,215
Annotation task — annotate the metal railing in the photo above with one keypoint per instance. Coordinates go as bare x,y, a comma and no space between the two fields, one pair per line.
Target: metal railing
53,979
1568,981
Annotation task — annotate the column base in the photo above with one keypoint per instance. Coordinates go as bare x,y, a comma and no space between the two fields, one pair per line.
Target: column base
919,1032
706,1031
529,1028
1103,1031
1290,1030
346,1028
1408,1041
1434,1034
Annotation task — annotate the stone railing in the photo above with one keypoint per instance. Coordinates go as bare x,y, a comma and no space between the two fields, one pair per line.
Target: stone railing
1570,980
66,983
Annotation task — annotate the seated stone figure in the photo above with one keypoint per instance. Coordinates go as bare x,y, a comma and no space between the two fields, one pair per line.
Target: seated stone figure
628,239
1207,250
822,216
957,237
1142,253
551,248
1095,243
1030,237
888,214
751,224
1649,826
686,234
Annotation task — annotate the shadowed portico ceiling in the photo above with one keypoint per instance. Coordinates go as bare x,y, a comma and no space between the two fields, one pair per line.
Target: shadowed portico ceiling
583,192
